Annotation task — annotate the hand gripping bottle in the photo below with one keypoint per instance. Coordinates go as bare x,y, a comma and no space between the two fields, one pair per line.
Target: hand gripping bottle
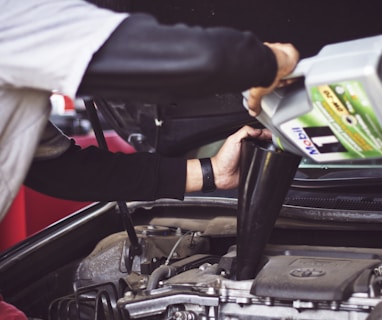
333,112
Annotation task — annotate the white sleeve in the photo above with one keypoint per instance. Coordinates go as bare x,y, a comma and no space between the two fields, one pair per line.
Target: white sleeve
47,45
24,113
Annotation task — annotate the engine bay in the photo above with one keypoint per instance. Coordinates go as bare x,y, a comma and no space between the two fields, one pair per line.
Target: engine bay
189,273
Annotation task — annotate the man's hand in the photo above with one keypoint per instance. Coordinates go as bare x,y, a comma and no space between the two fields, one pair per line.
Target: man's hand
287,57
226,162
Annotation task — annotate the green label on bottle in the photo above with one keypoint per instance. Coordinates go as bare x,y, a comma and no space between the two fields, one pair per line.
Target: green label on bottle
341,126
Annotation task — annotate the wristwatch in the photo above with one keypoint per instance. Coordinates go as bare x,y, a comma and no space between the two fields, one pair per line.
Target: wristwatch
208,175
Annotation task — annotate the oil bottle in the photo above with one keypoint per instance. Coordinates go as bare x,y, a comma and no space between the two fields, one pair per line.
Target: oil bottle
333,111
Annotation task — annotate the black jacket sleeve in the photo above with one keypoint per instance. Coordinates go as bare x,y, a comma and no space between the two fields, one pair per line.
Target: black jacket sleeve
143,57
92,174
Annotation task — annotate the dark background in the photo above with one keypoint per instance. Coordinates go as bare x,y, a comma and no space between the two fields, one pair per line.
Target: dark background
308,24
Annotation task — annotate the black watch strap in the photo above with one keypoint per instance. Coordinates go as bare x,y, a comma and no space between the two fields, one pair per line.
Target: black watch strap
208,175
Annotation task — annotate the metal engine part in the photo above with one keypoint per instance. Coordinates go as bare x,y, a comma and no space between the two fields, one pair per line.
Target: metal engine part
295,282
289,288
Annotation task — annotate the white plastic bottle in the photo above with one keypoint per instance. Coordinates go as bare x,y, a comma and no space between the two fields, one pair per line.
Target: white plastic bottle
334,112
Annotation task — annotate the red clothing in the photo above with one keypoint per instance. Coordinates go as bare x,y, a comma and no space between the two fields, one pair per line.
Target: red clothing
9,312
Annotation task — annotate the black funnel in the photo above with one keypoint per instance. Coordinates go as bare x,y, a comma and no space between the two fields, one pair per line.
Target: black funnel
265,177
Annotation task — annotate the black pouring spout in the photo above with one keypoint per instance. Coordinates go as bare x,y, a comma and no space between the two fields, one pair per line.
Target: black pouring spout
265,177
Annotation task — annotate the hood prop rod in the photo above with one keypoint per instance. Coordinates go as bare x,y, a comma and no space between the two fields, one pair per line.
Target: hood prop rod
135,247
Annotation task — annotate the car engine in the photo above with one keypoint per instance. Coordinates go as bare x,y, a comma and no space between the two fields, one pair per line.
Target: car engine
177,278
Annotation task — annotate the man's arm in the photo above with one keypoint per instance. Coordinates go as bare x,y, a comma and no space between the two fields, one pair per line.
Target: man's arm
92,174
145,58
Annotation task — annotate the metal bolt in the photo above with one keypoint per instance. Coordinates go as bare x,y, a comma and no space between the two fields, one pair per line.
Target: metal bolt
185,315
